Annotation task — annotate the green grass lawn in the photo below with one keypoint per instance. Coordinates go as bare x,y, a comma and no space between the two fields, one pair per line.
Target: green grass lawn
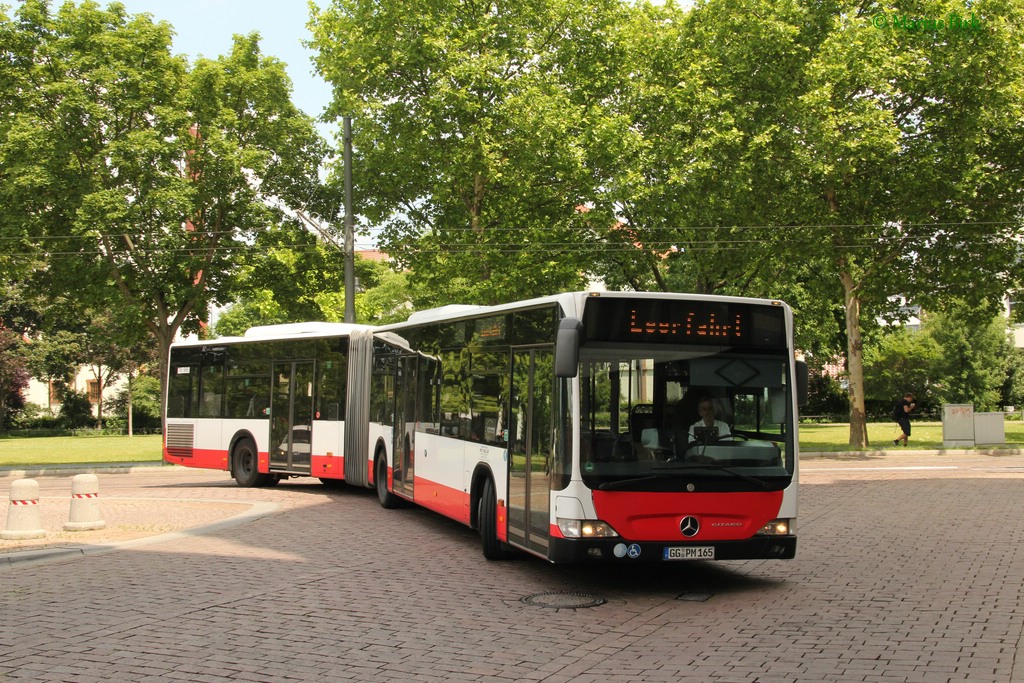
817,438
69,450
65,450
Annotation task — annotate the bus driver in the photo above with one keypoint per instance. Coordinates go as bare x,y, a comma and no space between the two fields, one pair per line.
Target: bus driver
701,429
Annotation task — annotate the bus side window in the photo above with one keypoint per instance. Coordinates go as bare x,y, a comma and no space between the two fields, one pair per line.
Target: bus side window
182,393
454,400
490,393
211,383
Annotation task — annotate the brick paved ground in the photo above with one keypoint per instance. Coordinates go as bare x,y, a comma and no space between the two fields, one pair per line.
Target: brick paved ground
904,572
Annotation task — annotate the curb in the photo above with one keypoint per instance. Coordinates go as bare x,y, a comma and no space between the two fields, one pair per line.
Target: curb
83,468
36,557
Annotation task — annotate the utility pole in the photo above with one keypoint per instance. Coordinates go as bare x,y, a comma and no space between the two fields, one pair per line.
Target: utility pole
350,249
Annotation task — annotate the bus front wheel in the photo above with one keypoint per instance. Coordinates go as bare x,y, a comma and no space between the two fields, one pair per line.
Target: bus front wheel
245,465
487,513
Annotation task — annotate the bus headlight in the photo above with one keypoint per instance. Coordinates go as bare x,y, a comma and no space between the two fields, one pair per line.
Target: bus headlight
777,527
585,528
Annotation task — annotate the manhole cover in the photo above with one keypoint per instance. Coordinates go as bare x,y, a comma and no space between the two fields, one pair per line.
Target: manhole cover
563,600
694,597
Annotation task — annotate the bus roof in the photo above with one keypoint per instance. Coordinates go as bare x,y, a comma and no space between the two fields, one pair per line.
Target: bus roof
284,331
571,302
317,329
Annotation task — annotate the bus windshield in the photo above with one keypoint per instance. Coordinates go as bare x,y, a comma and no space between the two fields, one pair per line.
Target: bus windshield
662,417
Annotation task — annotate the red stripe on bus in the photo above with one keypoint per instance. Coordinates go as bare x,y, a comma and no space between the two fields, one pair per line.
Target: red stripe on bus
328,466
205,458
448,501
647,516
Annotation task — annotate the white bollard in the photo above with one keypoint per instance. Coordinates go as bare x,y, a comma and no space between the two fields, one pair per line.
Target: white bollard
23,514
85,504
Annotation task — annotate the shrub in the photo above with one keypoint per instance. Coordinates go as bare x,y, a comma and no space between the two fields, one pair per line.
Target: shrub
76,411
826,398
145,404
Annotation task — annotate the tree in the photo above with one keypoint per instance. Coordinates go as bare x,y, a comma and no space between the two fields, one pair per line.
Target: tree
14,376
975,347
152,177
55,358
292,276
772,134
472,125
115,344
139,404
901,360
707,114
1012,392
904,178
960,355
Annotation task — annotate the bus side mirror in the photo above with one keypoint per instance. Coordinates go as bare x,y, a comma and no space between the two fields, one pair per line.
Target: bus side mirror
567,347
801,383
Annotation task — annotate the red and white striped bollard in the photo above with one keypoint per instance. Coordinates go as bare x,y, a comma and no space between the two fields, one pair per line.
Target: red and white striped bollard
85,504
23,513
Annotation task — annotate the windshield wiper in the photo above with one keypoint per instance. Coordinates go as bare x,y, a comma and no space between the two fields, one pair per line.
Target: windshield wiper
622,483
679,470
710,466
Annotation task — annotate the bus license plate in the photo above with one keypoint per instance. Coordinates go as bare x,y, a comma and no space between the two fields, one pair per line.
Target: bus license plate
699,552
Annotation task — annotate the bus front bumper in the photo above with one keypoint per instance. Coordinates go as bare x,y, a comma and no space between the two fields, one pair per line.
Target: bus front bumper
564,550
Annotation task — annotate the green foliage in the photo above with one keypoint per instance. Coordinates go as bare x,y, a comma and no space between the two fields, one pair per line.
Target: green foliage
826,397
387,298
145,400
34,417
75,410
974,351
899,361
14,377
1013,386
258,308
957,357
473,124
55,357
289,284
140,180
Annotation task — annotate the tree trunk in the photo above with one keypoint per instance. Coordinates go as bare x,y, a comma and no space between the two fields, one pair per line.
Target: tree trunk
99,397
130,427
854,362
164,335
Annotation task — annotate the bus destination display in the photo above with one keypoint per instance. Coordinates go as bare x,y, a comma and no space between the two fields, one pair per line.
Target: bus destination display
682,322
695,324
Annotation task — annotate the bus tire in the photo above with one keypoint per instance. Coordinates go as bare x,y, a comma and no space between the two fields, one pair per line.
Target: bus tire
487,513
245,465
387,499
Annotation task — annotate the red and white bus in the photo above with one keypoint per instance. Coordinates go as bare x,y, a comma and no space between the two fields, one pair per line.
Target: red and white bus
569,427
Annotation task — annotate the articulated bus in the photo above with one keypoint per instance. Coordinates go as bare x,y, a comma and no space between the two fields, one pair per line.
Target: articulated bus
611,426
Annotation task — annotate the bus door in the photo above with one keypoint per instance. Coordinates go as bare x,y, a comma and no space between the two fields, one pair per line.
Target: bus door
405,427
291,424
530,446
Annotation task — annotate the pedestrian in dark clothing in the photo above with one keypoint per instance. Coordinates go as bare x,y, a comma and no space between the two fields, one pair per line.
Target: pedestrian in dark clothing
901,414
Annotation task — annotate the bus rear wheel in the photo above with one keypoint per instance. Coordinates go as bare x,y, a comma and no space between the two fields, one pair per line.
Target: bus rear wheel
487,513
245,465
387,499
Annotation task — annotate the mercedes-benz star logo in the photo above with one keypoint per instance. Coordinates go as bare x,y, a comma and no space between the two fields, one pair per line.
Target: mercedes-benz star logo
689,526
